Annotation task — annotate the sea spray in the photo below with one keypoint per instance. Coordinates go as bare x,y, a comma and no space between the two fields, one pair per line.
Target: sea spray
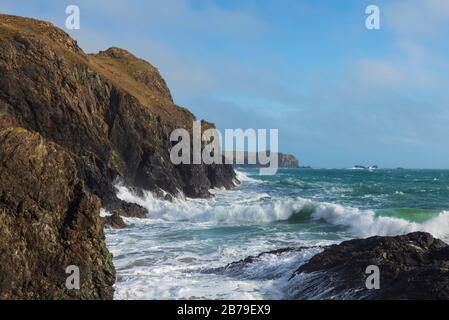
165,254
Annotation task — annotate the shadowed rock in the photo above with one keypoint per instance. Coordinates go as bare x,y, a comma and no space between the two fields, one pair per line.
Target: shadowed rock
48,221
114,221
268,265
413,266
126,209
111,110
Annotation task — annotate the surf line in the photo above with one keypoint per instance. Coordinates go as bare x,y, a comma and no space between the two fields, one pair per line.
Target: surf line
196,311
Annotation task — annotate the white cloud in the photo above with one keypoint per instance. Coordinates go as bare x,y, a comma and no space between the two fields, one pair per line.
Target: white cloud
378,73
418,18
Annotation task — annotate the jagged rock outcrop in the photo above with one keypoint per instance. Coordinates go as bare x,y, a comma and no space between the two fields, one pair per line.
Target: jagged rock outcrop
48,221
111,110
125,209
413,266
114,221
236,266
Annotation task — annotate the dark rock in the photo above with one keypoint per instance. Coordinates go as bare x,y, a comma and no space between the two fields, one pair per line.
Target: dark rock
125,209
251,259
114,221
219,176
413,266
111,110
88,121
237,266
48,221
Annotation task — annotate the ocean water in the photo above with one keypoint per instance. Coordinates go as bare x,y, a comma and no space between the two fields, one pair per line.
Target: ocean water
173,252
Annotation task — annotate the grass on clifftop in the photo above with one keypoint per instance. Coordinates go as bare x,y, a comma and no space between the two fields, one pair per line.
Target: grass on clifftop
135,76
140,79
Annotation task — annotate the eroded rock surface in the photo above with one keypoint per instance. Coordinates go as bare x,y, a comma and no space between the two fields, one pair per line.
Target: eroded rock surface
413,266
114,221
72,126
48,221
111,110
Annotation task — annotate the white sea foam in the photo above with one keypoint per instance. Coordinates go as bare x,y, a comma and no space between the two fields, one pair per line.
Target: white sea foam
264,278
230,208
104,213
365,223
243,177
161,256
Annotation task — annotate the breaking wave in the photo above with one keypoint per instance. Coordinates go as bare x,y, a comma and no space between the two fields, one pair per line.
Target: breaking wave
242,177
259,207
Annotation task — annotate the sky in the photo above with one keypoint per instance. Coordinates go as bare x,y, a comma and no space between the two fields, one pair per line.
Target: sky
338,93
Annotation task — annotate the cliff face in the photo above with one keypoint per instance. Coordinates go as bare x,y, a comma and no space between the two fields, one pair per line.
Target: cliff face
111,110
284,160
288,161
49,221
72,125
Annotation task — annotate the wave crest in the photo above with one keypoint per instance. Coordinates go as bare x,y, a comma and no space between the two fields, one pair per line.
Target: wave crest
366,223
243,177
358,222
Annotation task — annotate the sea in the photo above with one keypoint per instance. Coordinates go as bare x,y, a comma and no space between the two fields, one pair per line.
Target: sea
181,249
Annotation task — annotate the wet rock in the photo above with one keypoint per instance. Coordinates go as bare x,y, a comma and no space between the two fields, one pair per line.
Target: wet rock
114,221
125,209
237,266
252,259
413,266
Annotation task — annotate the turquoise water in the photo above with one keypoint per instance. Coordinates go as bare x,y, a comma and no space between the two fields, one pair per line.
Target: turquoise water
165,255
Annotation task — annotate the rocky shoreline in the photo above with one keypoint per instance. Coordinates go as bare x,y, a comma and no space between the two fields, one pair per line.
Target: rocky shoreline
411,267
71,126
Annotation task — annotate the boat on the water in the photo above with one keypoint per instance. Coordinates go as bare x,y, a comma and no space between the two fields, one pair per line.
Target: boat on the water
360,167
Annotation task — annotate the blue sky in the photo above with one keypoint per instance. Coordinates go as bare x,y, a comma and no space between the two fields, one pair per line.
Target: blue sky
338,93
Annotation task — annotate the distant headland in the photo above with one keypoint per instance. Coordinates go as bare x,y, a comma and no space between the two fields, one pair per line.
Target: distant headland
241,159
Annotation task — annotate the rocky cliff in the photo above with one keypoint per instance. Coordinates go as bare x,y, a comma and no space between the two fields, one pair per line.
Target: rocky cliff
106,117
111,110
49,221
288,161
